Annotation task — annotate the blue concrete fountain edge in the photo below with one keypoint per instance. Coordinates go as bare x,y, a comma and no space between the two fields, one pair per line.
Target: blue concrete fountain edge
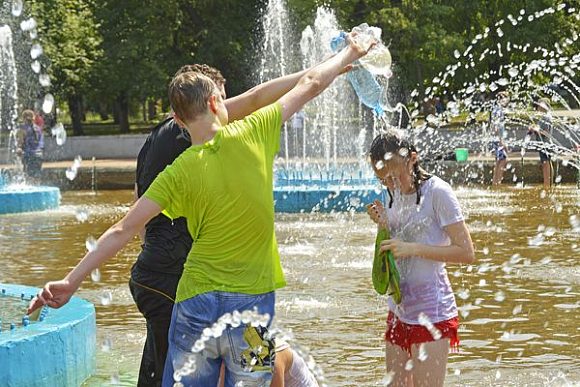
58,351
35,198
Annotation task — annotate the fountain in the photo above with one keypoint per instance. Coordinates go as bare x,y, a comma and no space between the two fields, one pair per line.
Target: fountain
53,348
59,343
15,195
546,72
320,169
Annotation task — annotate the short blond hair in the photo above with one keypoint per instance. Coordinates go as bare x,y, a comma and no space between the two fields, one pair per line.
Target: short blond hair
189,93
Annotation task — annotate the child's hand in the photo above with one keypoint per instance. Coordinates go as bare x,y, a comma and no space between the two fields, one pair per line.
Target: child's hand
378,214
54,294
399,249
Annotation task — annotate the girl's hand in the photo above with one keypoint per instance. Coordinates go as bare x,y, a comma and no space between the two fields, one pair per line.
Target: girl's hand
378,214
399,249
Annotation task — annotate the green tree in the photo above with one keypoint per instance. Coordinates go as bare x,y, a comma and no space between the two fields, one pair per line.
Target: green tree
69,36
136,43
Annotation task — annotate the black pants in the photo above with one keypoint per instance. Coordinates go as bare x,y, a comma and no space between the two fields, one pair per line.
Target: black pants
154,294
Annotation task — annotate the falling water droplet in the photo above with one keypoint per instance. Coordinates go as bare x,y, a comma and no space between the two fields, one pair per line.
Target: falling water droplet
546,260
575,222
499,296
96,275
27,25
36,51
35,66
71,173
106,344
422,353
106,299
59,132
91,243
44,80
48,103
82,215
463,293
16,7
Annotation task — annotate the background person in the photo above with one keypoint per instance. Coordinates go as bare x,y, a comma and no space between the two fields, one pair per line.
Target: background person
543,133
499,145
30,145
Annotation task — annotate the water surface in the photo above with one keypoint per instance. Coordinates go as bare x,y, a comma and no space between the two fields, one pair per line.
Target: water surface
519,301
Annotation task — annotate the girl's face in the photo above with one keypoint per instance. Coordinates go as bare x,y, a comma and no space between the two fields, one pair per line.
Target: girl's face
396,171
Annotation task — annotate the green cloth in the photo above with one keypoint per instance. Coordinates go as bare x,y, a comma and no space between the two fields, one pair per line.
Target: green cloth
225,190
385,274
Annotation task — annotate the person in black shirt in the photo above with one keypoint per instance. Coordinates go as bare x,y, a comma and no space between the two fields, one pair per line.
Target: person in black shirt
166,242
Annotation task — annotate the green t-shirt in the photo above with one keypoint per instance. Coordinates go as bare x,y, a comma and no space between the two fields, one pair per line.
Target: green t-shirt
225,190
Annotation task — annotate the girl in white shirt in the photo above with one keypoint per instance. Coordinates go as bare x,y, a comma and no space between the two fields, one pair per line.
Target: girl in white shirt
427,231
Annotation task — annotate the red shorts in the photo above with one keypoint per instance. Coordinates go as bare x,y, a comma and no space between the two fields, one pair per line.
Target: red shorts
405,335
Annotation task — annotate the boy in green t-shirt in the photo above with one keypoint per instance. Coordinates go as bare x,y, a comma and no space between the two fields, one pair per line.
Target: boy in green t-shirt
223,185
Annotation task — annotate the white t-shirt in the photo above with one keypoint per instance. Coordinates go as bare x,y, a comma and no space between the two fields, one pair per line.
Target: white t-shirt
424,283
298,375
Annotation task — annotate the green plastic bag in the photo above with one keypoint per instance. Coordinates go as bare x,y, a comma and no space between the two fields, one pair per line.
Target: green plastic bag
385,274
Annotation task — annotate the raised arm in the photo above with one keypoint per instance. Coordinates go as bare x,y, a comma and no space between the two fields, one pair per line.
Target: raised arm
318,78
259,96
58,293
262,95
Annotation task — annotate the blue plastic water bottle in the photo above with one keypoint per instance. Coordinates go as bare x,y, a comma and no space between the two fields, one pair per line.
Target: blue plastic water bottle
368,90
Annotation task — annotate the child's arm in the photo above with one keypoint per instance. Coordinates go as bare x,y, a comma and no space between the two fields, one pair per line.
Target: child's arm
58,293
459,251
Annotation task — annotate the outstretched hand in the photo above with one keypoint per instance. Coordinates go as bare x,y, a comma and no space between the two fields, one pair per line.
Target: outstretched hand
54,294
378,214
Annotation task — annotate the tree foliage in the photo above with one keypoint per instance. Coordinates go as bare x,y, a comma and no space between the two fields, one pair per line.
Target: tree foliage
119,54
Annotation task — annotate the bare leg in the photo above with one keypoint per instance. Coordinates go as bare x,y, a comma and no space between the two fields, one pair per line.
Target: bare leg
546,174
397,357
498,171
431,371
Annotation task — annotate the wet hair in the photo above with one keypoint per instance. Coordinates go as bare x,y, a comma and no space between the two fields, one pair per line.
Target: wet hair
386,143
211,72
189,93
